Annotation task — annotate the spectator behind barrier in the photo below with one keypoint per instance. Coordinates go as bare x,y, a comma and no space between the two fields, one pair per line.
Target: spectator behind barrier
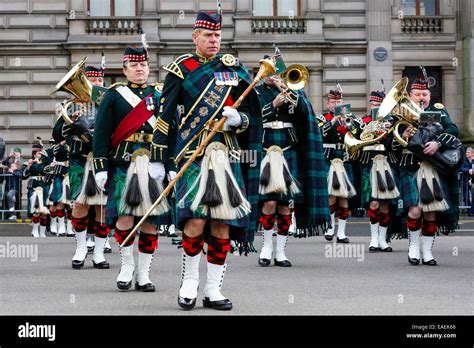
13,188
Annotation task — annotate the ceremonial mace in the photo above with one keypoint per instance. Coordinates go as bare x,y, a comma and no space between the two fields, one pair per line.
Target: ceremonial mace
267,68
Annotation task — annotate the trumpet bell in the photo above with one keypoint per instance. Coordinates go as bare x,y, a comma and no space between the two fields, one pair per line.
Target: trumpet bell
76,83
398,102
296,76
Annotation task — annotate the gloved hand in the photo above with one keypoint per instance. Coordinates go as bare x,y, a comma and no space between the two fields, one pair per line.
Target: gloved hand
100,180
171,175
233,118
157,171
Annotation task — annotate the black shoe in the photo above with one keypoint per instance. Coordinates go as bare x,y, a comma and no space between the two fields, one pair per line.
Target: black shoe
76,264
148,287
107,250
387,250
264,262
222,305
329,237
343,240
101,265
186,303
374,249
90,249
413,261
124,285
284,263
430,262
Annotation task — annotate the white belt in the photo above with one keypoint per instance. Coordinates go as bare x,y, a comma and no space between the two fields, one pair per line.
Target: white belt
278,125
61,163
406,151
333,146
76,138
378,147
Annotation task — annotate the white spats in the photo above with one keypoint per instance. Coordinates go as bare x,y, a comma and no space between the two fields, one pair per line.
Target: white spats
35,231
374,235
215,278
427,247
143,268
341,228
99,250
414,244
53,225
330,231
81,247
61,226
127,264
190,276
42,231
280,248
383,238
69,230
267,248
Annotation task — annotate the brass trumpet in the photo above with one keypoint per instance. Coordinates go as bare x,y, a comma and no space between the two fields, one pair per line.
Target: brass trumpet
296,76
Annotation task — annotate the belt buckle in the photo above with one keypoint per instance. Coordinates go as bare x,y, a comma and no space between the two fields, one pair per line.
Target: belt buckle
277,124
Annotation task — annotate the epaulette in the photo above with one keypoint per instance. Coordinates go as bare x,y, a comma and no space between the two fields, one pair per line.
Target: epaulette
117,84
321,118
174,67
439,106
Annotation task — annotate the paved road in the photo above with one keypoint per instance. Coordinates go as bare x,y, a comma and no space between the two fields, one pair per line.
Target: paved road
324,280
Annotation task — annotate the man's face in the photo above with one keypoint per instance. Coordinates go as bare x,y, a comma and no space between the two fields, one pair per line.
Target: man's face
97,81
468,154
332,103
137,72
208,42
419,96
14,166
374,105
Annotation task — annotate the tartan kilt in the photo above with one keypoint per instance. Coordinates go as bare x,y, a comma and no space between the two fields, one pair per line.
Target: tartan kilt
56,190
366,185
116,190
279,138
408,189
184,183
76,175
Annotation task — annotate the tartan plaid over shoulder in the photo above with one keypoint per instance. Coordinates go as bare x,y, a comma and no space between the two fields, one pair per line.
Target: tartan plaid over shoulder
312,215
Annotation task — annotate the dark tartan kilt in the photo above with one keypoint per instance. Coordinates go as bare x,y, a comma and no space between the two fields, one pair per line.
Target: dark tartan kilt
408,189
184,211
57,189
31,188
116,189
76,175
366,185
279,138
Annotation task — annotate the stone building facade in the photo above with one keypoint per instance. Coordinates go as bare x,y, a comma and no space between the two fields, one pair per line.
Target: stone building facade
355,42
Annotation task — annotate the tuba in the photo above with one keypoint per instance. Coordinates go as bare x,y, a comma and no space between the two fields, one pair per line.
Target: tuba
76,83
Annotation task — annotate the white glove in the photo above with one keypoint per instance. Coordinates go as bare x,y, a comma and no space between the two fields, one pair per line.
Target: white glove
171,176
233,118
100,180
157,171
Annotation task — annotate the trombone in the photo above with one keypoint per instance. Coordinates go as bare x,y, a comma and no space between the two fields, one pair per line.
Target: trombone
296,76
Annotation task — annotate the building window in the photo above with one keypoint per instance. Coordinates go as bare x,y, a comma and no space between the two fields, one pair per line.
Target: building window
113,8
276,8
420,7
